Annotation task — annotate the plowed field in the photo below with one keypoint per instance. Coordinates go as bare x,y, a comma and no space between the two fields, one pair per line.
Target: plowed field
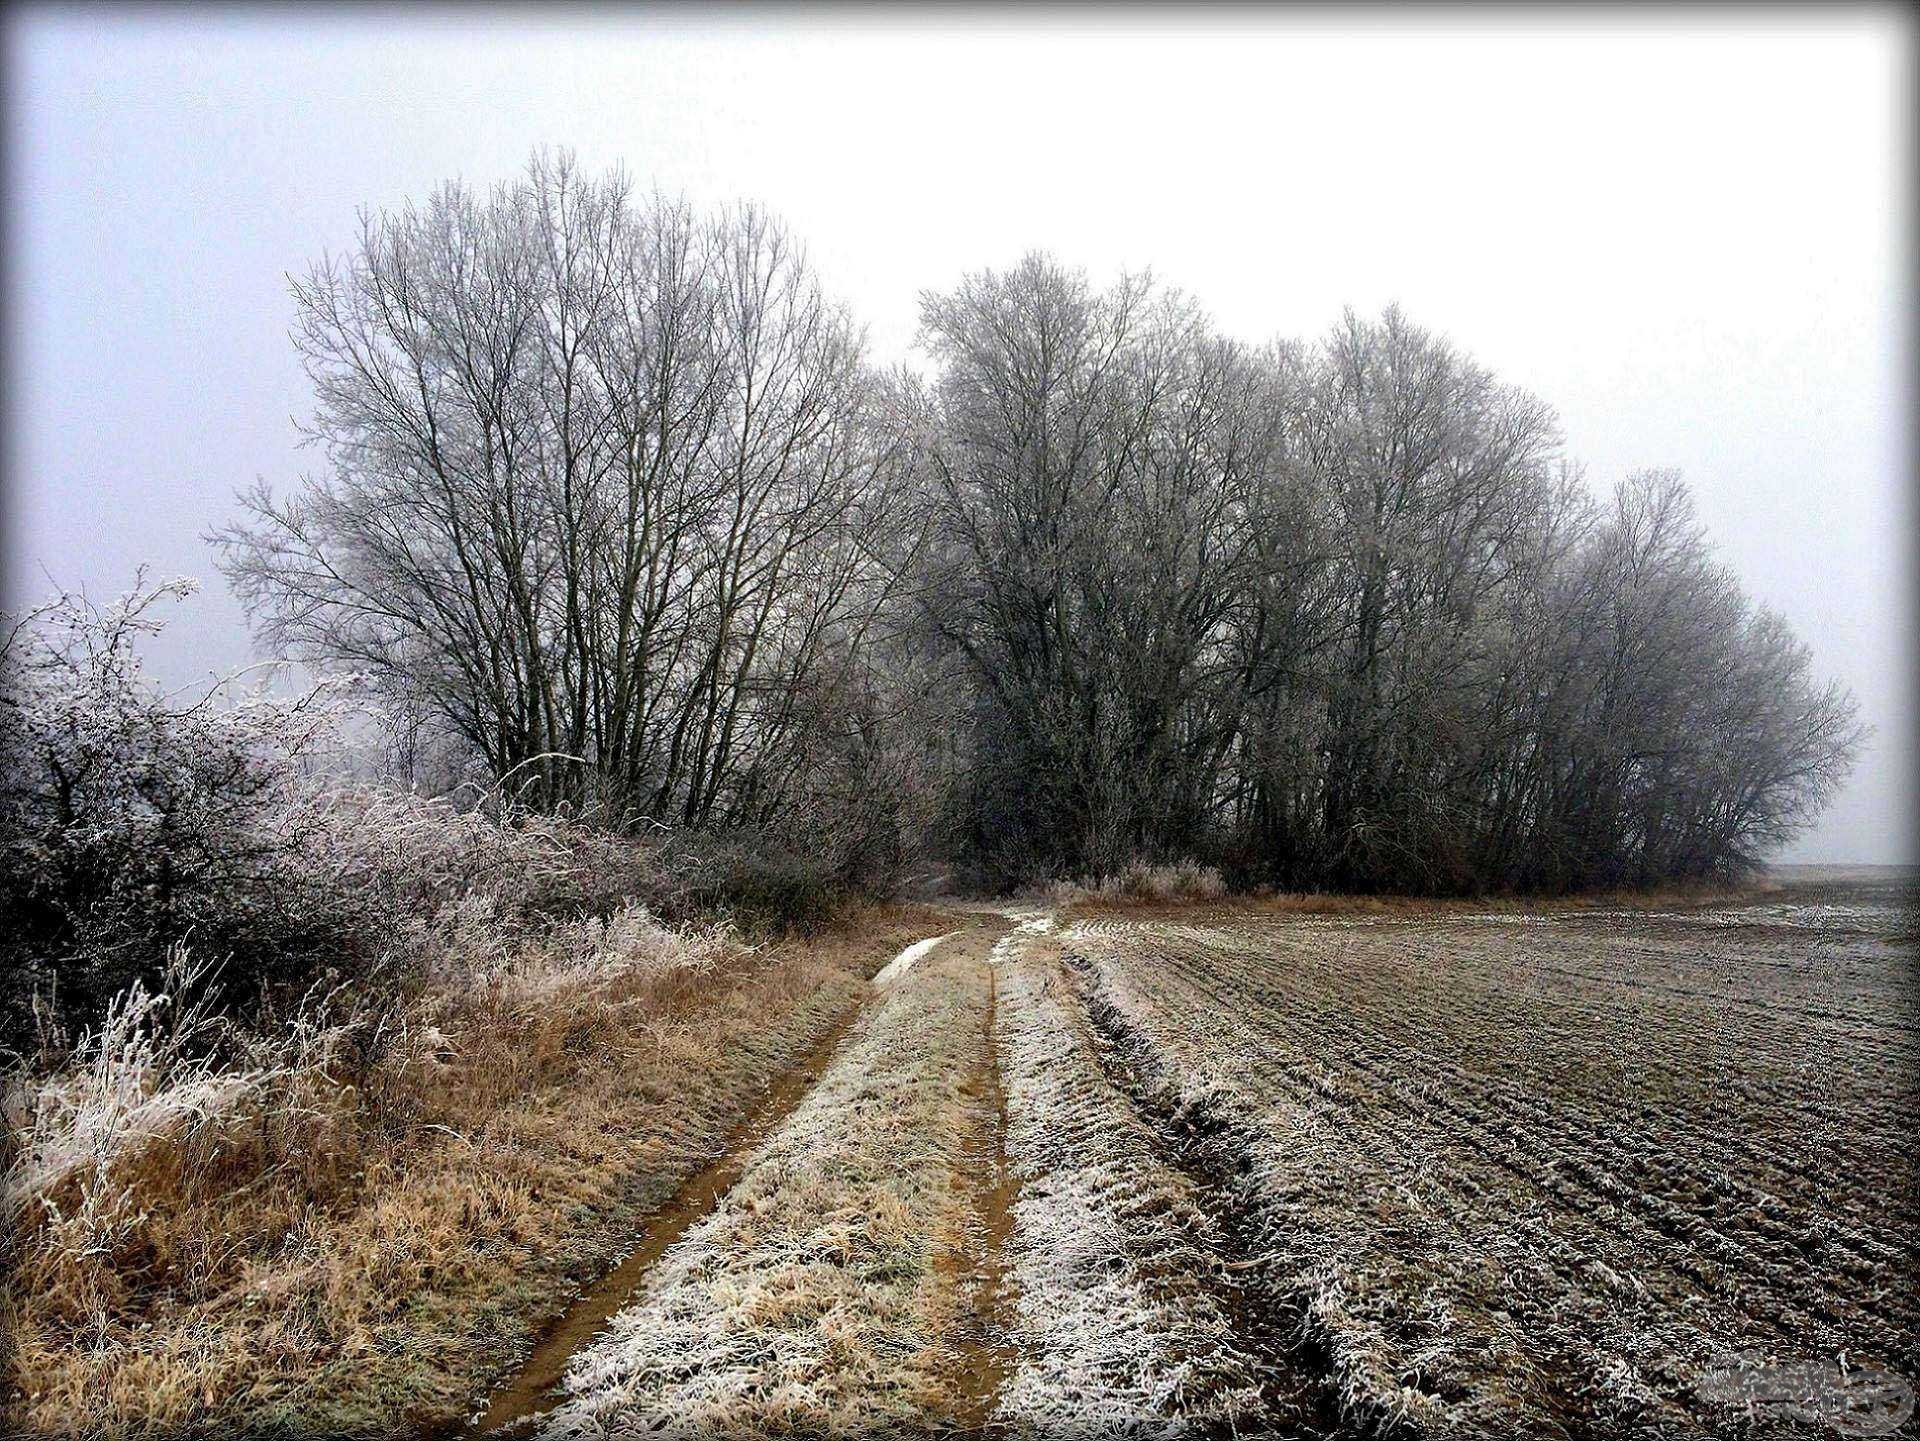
1547,1171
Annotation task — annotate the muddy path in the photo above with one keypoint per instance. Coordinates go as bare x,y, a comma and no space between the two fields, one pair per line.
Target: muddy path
982,1356
534,1386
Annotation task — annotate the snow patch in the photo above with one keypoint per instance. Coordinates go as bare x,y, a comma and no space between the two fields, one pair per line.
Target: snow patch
1007,948
902,963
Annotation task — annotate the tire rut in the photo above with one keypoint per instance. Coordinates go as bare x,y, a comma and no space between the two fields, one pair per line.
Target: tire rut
514,1406
983,1355
1299,1390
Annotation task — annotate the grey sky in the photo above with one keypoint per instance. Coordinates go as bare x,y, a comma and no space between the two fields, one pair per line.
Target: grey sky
1688,235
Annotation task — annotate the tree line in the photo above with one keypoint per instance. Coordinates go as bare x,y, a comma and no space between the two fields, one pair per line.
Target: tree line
613,502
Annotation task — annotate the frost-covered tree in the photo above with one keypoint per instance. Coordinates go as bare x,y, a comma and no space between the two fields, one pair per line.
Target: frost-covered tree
607,490
1334,615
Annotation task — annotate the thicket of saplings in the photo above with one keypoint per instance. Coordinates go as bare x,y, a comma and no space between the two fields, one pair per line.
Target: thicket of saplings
673,603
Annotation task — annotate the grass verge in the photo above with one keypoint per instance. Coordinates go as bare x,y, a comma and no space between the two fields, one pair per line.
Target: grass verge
812,1300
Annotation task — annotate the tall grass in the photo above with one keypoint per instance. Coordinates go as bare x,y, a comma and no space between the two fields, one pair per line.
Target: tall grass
175,1163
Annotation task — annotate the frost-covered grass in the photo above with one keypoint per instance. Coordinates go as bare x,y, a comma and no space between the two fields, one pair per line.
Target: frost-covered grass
163,1072
811,1299
330,1230
1120,1322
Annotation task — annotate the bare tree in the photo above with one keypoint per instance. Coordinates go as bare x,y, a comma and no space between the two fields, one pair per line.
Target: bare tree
1340,615
1098,471
608,489
610,496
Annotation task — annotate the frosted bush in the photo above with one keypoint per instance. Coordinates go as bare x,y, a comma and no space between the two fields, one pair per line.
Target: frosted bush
344,932
136,821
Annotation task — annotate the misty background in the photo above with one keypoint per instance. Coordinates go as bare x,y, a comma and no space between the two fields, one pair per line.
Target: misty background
1688,236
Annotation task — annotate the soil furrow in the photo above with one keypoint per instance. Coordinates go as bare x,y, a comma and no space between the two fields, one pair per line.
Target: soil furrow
1513,1193
1670,1235
977,1269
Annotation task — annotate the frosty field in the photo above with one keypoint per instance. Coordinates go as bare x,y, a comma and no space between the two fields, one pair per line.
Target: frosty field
1401,1171
1295,1167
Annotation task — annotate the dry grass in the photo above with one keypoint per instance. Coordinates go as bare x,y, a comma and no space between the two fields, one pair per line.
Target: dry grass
812,1300
1140,883
299,1239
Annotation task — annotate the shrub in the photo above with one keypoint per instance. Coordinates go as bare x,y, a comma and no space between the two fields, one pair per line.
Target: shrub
763,882
1143,881
131,826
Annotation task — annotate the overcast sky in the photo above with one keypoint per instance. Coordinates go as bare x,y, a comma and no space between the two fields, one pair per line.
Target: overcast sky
1688,235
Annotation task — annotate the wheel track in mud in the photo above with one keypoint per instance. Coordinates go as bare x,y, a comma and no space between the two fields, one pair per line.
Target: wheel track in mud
1299,1391
977,1270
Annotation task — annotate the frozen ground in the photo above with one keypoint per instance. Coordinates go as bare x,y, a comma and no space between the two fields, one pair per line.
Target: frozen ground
1548,1172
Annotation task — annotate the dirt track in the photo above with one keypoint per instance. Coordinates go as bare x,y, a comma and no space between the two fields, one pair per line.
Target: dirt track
535,1384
